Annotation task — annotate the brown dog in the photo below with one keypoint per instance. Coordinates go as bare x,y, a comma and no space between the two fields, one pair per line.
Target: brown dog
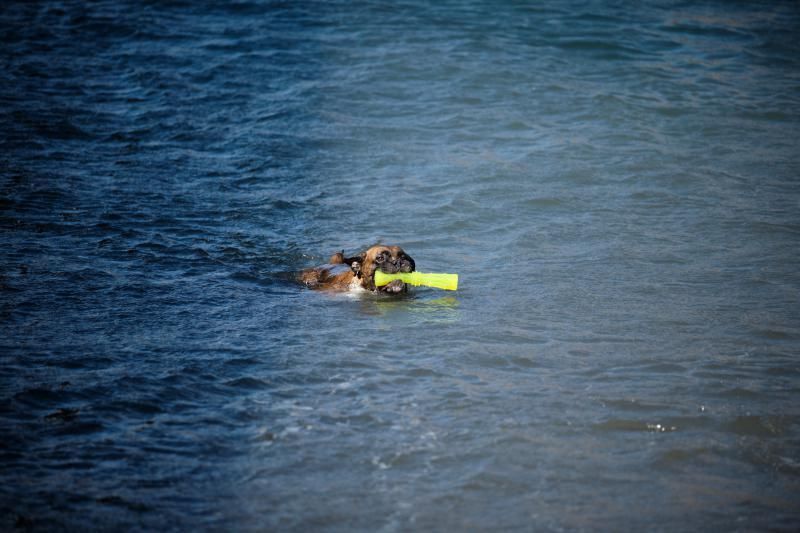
348,273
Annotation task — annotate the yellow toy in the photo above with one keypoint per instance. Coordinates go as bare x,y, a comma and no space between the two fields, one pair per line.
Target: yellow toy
448,282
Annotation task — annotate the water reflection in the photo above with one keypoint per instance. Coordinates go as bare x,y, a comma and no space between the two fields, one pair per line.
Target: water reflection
412,308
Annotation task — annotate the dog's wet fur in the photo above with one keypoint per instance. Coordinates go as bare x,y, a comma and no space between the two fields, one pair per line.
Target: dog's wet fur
358,272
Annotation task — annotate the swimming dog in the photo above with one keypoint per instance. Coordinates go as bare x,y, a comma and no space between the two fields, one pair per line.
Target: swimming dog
358,272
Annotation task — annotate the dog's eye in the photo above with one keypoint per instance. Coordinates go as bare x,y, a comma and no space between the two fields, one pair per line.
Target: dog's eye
380,259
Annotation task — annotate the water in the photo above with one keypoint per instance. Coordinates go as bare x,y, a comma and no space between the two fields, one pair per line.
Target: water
616,184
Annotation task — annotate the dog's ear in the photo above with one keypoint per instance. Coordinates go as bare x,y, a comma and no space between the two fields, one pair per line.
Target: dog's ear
354,262
337,258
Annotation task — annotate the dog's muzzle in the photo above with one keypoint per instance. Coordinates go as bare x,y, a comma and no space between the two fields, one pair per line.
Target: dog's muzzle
402,264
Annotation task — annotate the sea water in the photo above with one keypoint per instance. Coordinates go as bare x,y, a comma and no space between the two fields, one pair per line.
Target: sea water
617,185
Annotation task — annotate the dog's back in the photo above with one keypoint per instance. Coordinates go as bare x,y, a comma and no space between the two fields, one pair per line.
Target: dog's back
337,275
333,276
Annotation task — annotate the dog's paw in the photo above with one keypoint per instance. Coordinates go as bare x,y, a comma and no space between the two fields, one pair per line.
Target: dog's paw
395,286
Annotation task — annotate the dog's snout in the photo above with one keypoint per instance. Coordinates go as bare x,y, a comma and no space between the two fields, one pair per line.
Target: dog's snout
405,264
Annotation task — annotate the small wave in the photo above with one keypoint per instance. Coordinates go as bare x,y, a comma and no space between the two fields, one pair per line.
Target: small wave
762,426
248,383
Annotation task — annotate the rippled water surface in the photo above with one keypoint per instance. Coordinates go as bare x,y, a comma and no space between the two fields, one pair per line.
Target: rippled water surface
617,185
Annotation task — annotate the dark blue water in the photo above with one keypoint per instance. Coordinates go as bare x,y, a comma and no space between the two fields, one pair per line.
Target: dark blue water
617,185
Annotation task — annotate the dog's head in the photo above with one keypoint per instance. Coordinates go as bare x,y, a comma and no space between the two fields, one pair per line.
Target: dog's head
389,259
